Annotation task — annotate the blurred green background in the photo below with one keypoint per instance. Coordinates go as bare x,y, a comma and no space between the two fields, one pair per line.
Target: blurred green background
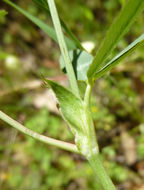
26,53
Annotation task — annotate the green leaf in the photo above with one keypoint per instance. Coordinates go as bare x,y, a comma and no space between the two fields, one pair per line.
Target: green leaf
70,106
127,51
117,30
2,13
75,114
44,6
81,61
44,27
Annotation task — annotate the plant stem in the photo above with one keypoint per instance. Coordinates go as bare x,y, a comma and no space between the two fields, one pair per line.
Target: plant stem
93,156
100,172
63,47
42,138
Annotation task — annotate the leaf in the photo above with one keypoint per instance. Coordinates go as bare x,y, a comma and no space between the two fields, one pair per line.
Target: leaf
74,113
117,30
44,6
70,106
81,61
127,51
44,27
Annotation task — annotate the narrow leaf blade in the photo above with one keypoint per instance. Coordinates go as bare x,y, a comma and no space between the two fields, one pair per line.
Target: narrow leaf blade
127,51
44,27
117,30
69,104
73,112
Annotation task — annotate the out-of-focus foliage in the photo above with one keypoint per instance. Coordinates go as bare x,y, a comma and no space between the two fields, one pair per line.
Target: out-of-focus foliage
117,102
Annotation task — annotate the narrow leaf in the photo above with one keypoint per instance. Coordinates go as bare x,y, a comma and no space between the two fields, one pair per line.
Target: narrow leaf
75,114
127,51
44,27
72,110
69,105
117,30
44,6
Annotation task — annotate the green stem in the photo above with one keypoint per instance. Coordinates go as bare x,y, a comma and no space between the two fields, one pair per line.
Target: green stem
93,156
88,122
100,172
63,47
42,138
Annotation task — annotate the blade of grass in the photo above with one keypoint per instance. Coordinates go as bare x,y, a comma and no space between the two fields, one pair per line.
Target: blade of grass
127,51
42,138
117,30
63,47
44,6
44,27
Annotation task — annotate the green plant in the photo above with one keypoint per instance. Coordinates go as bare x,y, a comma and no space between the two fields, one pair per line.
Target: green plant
74,108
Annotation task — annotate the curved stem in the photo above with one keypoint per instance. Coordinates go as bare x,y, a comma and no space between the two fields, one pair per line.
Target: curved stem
100,172
42,138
